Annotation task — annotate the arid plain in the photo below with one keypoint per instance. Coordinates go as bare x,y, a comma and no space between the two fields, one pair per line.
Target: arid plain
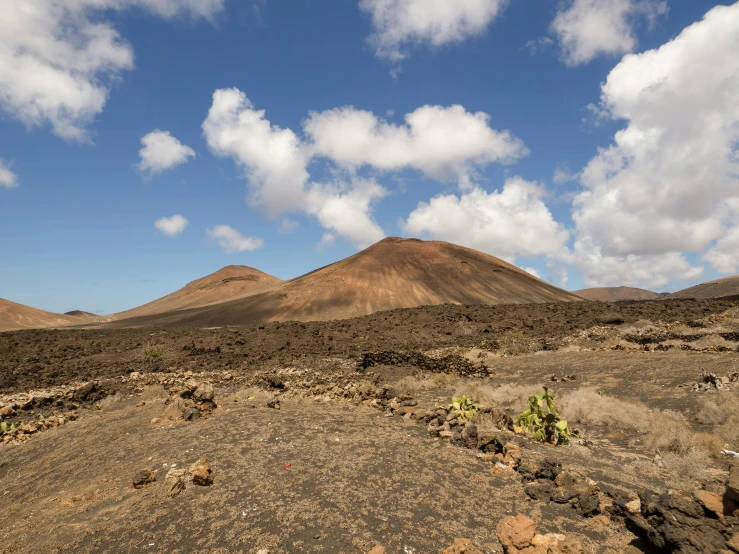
371,406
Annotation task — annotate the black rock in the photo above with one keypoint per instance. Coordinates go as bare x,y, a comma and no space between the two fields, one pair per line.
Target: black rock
191,414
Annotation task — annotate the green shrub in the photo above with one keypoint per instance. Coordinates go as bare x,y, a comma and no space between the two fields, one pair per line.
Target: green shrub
542,419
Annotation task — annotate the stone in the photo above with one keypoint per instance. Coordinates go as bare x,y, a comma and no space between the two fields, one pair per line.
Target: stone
7,411
204,392
511,454
516,532
378,549
633,506
143,478
562,495
201,472
461,546
175,482
712,502
587,505
541,490
733,542
549,541
191,414
732,486
274,404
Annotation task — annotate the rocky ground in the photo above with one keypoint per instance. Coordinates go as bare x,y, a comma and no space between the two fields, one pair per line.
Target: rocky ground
338,437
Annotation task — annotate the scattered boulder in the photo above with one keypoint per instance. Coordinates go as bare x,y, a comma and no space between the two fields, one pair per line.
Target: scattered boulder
191,414
201,472
274,404
143,478
516,533
378,549
461,546
175,482
678,523
732,486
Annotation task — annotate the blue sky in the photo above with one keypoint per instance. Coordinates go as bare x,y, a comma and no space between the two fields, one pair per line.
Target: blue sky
534,134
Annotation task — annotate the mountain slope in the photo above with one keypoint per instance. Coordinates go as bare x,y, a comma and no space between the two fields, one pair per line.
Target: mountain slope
616,294
394,273
728,286
227,284
15,316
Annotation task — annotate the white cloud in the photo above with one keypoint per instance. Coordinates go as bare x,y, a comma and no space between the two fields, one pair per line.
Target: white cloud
444,143
587,29
7,178
509,223
172,226
59,57
399,24
724,255
232,241
670,182
273,158
532,271
562,175
539,45
162,151
346,210
651,271
287,226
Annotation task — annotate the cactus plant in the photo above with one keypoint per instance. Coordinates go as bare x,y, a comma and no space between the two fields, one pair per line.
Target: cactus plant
542,419
464,407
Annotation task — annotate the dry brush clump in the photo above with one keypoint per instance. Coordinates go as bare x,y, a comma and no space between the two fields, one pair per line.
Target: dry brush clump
718,410
683,450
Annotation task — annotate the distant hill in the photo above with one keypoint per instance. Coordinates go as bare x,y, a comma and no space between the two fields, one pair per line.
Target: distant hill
616,294
80,313
230,283
394,273
728,286
15,316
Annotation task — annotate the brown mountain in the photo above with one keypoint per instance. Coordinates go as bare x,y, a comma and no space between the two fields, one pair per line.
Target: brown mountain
15,316
394,273
230,283
728,286
616,294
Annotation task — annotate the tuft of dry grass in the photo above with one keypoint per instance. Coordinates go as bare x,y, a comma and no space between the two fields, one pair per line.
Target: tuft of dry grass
685,452
515,343
504,396
718,411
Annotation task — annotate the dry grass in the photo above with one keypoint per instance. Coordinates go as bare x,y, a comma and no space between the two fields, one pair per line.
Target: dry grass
515,343
719,411
685,452
504,396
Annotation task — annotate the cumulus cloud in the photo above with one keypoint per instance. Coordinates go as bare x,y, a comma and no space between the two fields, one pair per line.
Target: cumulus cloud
162,151
587,29
399,24
669,183
508,223
444,143
172,226
58,57
232,241
8,179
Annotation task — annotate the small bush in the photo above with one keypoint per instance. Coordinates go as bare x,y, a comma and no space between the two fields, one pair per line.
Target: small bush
515,343
154,353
